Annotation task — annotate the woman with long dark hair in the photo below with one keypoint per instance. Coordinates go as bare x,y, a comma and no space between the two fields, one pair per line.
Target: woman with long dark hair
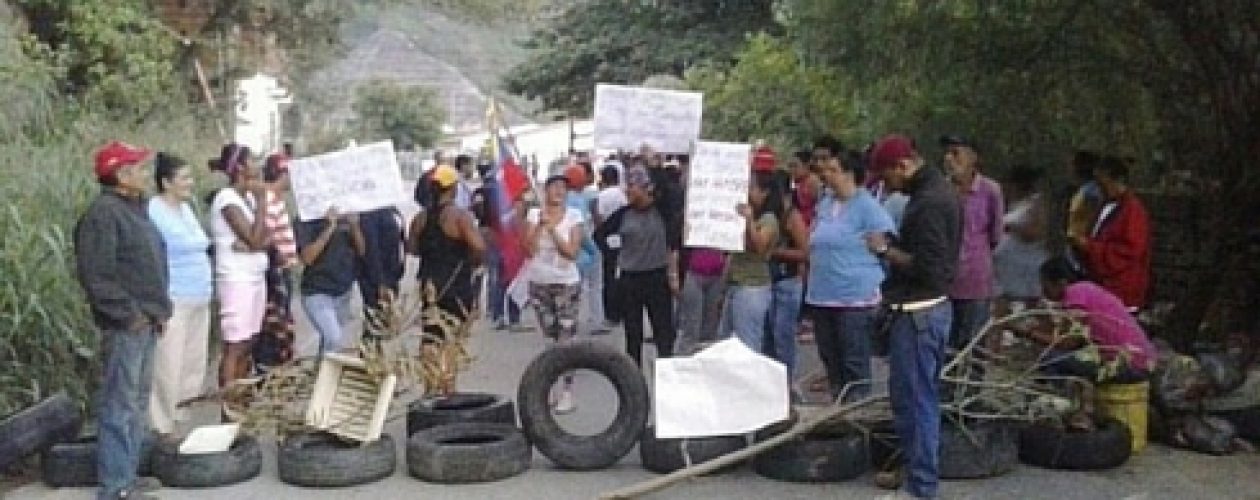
274,345
238,228
179,364
553,235
748,295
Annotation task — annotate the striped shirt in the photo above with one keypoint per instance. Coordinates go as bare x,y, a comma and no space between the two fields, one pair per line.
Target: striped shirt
278,221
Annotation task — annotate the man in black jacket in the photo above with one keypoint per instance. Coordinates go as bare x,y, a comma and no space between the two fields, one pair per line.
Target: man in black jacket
121,264
923,262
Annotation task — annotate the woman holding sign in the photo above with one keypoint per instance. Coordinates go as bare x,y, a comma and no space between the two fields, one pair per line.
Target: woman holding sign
553,237
748,294
844,276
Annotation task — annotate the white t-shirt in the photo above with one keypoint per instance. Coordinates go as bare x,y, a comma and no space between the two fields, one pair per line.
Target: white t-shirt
231,265
547,266
610,200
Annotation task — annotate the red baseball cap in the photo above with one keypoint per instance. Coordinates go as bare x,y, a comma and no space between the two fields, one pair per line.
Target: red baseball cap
763,159
889,150
116,155
575,175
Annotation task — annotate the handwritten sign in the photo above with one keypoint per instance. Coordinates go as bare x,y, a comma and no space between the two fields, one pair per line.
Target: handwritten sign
629,117
716,184
356,179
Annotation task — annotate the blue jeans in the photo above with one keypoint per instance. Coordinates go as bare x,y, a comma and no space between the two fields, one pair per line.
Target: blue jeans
746,315
843,337
785,316
328,313
970,315
916,354
501,309
123,406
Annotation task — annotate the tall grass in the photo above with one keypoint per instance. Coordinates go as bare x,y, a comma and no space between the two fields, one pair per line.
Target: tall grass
47,341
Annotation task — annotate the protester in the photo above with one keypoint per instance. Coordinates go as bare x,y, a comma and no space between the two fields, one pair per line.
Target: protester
181,356
446,239
922,265
380,269
504,313
806,185
238,228
612,197
1023,248
1116,253
700,303
972,293
1084,200
650,234
844,276
1115,351
578,199
748,297
553,238
274,345
122,268
329,249
788,258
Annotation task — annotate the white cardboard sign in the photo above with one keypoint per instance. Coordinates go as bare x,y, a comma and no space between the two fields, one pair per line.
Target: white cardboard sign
355,179
629,117
723,390
717,183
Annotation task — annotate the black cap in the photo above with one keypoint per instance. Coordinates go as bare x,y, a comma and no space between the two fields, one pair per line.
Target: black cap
958,140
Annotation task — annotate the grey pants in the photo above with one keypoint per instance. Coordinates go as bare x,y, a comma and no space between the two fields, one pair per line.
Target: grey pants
699,311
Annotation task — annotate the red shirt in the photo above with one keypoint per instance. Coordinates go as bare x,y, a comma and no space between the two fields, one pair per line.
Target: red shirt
1118,255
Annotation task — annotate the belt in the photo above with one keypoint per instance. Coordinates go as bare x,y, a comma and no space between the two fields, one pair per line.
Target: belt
917,306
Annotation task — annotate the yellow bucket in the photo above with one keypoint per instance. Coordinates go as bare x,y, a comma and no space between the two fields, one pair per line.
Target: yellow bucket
1127,403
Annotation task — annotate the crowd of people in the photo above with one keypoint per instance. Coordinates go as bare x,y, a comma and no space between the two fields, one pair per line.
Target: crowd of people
868,252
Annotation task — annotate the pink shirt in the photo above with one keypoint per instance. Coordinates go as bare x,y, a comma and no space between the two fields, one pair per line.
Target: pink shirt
1111,326
982,230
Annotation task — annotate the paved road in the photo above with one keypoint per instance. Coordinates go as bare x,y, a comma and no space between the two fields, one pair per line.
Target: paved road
501,358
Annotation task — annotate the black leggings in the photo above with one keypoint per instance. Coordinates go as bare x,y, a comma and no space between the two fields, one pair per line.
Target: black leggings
647,290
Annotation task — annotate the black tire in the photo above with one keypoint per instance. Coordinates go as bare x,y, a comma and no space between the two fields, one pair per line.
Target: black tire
994,452
73,463
885,448
459,408
1106,447
242,462
468,453
776,428
1246,421
52,420
323,461
583,452
663,456
816,458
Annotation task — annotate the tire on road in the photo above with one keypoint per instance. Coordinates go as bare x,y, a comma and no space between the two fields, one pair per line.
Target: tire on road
571,451
468,453
994,452
816,458
242,462
1246,421
668,455
459,408
72,464
322,460
52,420
1108,446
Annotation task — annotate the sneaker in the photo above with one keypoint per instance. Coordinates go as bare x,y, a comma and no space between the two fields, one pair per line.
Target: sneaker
135,494
889,479
565,404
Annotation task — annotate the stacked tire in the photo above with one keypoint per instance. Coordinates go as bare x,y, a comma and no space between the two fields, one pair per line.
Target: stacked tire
465,438
324,461
1046,445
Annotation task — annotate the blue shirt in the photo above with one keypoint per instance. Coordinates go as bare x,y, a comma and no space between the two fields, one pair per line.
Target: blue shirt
187,249
586,253
843,271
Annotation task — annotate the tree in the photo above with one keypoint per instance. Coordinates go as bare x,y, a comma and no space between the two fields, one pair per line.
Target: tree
409,115
618,41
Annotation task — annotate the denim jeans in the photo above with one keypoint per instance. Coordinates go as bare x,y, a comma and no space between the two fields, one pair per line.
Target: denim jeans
328,314
916,355
123,407
843,337
699,310
746,315
969,317
785,316
592,285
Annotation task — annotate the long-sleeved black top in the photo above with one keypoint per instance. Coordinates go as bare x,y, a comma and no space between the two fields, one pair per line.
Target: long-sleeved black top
931,232
121,262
